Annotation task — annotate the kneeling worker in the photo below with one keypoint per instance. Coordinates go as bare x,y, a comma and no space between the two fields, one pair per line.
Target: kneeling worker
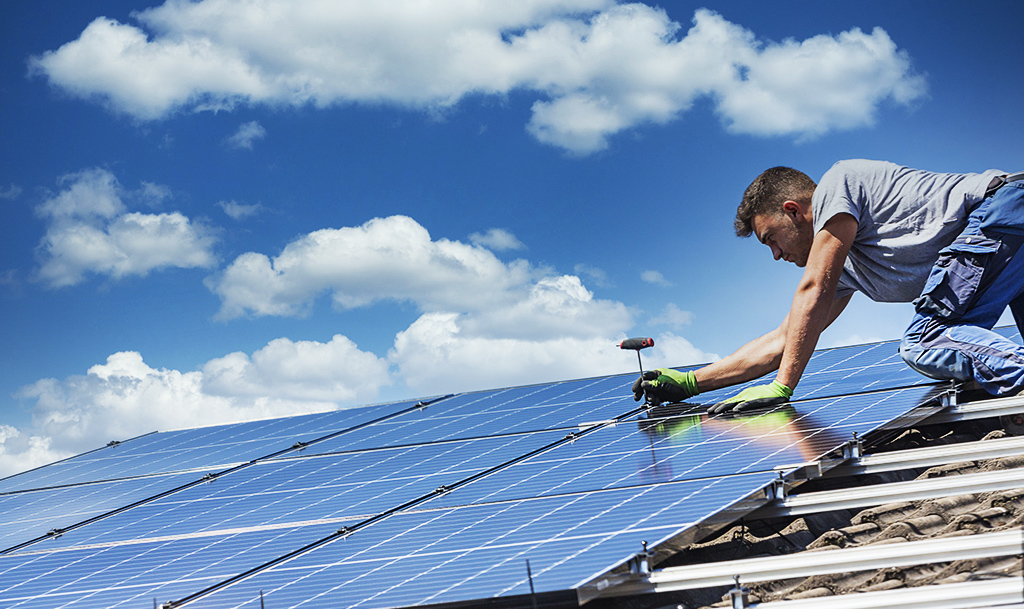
948,242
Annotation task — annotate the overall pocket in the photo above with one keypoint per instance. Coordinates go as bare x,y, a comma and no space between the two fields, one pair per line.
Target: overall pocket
954,280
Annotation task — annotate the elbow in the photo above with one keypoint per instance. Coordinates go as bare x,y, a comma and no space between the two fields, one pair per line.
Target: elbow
813,287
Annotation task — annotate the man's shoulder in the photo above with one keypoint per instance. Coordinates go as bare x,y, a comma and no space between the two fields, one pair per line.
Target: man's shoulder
860,167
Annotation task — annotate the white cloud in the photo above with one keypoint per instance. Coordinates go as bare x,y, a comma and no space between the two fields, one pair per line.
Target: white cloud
437,355
20,452
497,239
154,194
90,230
434,356
306,370
596,68
655,277
484,323
11,192
596,275
390,258
246,135
239,211
670,351
125,397
672,316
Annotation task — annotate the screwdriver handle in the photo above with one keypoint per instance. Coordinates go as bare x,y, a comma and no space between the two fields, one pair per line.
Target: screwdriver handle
636,343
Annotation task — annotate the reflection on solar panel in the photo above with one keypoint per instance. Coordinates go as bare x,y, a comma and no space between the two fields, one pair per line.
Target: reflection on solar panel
441,501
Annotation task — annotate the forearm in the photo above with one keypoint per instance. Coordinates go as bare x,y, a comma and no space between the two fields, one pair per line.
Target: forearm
814,304
810,314
754,359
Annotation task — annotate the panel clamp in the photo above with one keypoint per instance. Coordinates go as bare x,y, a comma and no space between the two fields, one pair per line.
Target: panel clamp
853,449
641,562
777,489
740,595
950,397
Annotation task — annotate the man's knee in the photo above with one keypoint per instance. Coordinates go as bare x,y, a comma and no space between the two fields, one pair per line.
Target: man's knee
935,358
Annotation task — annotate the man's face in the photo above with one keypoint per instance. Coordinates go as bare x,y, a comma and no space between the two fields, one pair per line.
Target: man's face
788,234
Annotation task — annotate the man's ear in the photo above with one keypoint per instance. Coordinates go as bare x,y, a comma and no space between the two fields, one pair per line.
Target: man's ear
792,208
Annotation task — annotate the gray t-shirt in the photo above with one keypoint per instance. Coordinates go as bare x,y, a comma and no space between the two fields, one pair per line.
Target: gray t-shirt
904,217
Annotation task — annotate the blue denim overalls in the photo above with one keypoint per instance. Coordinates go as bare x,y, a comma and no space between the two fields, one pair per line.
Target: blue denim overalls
971,284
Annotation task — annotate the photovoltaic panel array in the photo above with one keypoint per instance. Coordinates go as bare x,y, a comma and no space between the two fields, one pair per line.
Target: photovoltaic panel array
414,503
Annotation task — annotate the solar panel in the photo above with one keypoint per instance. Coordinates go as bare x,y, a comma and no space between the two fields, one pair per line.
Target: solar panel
214,447
337,487
27,515
402,504
467,552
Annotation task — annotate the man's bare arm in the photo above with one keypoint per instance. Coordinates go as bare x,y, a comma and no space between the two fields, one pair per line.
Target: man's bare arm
756,358
814,301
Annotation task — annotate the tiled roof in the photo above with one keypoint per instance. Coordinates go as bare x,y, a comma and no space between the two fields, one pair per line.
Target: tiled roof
891,523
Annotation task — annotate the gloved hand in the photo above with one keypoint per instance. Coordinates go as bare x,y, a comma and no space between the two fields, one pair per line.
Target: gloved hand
758,396
665,385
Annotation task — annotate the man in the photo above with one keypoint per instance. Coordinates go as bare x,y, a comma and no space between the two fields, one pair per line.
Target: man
951,243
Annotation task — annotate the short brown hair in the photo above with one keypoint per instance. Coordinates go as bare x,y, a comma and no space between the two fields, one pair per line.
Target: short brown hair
768,192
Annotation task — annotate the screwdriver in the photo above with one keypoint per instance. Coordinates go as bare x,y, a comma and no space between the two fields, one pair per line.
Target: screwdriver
636,344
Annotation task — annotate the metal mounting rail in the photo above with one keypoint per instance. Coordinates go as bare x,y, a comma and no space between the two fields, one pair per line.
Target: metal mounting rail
1005,593
822,562
878,494
982,409
931,456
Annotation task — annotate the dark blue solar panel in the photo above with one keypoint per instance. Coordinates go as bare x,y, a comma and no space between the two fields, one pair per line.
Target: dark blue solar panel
645,451
475,552
206,447
27,515
342,486
561,405
130,575
842,371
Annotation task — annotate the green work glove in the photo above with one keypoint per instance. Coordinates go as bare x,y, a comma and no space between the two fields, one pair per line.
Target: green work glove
758,396
665,385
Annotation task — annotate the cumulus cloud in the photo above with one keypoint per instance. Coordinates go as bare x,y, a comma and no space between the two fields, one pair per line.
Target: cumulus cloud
390,258
11,192
654,277
596,67
126,397
246,135
90,230
497,239
239,211
437,354
336,371
672,316
596,275
484,323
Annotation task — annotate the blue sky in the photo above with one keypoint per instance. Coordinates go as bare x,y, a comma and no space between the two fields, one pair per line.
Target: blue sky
223,210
